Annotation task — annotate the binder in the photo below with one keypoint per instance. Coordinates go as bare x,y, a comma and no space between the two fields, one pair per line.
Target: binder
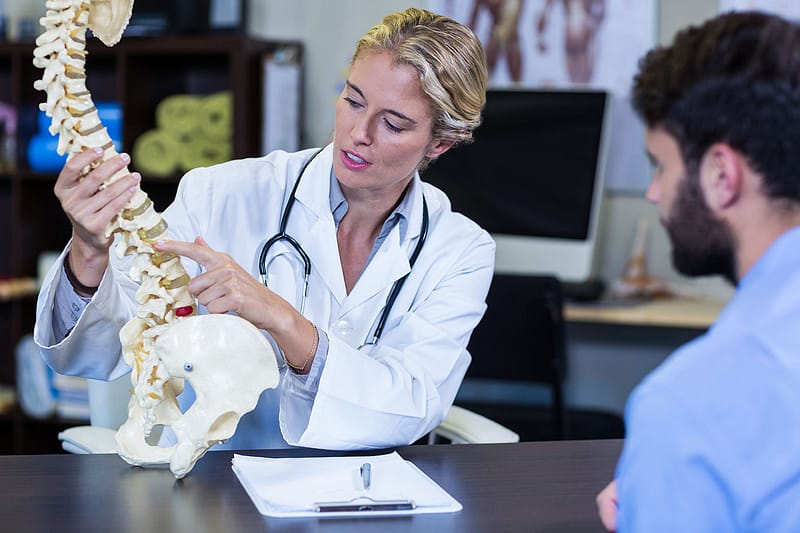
281,93
321,487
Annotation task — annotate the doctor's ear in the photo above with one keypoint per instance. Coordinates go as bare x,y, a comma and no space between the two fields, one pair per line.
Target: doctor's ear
437,148
722,174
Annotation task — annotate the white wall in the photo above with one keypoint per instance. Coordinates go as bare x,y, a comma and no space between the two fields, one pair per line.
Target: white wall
605,363
329,31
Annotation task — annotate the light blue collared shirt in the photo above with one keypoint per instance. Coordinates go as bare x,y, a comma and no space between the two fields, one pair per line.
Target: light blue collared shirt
400,215
713,435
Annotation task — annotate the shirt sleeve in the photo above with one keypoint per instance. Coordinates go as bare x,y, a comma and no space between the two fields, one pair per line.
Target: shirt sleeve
666,477
67,308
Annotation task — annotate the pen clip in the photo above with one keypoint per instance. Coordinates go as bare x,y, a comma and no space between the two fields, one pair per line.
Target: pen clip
366,473
364,503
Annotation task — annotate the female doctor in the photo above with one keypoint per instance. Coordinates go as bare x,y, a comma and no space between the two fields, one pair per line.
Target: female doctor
363,368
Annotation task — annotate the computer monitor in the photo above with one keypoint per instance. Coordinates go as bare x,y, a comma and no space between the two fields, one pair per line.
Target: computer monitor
533,178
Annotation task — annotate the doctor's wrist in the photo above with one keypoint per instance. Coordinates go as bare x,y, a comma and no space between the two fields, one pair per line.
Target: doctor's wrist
80,288
305,366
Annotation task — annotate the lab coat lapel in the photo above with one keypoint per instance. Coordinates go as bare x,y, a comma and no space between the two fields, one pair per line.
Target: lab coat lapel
391,261
315,228
389,264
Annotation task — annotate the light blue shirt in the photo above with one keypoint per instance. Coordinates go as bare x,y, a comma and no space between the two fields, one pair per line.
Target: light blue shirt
713,435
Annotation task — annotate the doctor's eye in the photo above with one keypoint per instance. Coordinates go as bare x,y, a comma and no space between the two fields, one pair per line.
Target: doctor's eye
353,103
392,127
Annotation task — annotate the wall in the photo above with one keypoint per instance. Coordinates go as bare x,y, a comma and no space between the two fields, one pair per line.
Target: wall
605,363
330,30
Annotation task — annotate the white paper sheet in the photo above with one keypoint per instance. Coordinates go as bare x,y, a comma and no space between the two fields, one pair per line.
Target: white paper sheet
294,487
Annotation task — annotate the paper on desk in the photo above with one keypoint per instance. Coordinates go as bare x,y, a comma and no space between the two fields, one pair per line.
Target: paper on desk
291,487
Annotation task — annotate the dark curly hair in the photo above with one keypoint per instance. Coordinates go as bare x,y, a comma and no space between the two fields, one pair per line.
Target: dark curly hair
733,79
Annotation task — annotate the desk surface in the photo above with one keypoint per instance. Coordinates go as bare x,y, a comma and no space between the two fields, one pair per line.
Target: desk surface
676,313
531,486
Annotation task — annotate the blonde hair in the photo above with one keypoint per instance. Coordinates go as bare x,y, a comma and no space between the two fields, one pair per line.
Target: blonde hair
450,62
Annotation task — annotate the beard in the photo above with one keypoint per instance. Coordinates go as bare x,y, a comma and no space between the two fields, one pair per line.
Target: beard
702,245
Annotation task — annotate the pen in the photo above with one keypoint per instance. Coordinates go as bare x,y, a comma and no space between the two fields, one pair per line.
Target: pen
387,505
366,474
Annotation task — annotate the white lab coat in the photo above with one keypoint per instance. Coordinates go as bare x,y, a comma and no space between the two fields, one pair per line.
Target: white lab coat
373,397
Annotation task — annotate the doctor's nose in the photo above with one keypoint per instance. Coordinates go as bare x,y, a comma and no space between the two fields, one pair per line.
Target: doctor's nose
360,132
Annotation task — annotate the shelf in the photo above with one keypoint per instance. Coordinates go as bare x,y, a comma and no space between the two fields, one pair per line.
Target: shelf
137,73
15,288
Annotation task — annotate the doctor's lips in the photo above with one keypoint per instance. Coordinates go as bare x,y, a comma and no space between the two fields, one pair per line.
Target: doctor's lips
354,162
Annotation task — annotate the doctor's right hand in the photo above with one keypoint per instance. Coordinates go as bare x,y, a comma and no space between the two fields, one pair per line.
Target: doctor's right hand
90,209
226,287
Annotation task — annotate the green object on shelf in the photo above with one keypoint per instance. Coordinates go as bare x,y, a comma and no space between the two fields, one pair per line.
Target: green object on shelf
178,114
203,152
215,116
156,153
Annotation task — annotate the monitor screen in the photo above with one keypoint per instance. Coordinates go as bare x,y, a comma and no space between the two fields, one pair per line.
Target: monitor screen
533,176
532,168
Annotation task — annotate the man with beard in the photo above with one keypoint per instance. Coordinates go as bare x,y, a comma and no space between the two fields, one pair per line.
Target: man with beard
713,434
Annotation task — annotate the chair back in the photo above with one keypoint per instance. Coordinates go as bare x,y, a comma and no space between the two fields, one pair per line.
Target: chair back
521,336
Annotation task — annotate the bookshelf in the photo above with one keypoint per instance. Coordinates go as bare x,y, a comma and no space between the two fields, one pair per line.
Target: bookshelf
137,73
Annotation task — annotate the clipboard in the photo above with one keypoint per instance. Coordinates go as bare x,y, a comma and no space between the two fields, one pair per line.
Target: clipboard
327,487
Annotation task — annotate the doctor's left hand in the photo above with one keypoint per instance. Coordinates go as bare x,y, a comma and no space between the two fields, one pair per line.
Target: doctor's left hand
227,287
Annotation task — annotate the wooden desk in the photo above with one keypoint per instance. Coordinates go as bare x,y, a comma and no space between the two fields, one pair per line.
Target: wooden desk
530,486
676,313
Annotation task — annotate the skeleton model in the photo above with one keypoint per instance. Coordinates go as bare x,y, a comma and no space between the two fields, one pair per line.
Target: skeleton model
154,344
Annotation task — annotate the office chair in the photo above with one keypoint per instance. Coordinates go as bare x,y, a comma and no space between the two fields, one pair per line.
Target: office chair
521,344
462,426
108,409
521,340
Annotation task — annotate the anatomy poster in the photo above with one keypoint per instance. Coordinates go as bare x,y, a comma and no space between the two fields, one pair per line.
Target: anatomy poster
559,43
787,8
566,44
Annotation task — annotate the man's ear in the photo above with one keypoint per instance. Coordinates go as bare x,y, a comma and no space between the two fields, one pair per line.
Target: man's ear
437,148
722,176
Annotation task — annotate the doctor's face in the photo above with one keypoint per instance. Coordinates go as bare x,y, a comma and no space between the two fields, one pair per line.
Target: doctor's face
383,127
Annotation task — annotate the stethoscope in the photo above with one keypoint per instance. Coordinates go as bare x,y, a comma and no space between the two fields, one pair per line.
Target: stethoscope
292,242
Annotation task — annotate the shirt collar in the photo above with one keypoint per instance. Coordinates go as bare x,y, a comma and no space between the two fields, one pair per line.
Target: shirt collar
400,215
773,261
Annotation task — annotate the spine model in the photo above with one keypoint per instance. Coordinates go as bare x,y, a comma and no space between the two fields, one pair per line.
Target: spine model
162,297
